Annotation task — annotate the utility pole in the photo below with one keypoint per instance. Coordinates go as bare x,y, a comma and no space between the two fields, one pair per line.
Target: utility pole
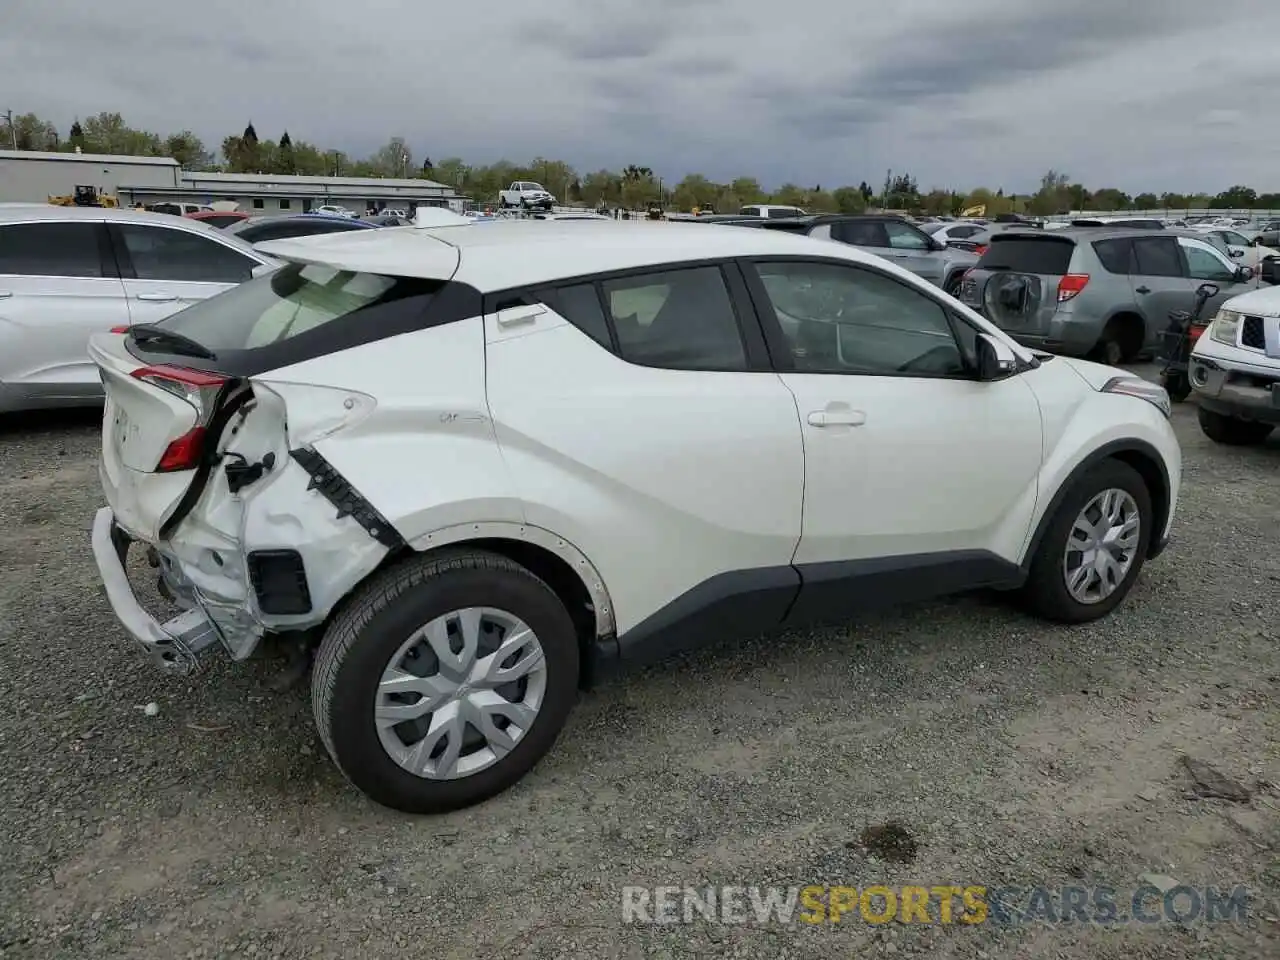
13,131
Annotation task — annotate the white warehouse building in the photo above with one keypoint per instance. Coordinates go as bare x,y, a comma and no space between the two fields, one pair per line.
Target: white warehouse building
28,176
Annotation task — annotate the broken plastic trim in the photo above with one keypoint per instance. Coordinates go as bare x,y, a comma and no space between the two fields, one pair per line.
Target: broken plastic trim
335,488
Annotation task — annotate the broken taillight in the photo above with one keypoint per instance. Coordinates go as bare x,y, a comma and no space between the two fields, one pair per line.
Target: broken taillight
1071,285
198,388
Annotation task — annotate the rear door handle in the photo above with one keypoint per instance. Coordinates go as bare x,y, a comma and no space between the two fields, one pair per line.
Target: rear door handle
5,294
158,297
1142,289
837,418
515,316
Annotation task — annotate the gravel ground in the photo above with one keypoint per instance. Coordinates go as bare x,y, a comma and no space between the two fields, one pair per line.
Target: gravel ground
1013,753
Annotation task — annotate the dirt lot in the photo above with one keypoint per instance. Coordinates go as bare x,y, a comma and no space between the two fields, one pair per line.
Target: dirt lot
1014,753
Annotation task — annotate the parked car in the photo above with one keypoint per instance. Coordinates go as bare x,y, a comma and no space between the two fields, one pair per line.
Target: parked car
261,229
890,237
946,232
294,429
388,220
1247,250
69,272
335,210
771,210
526,195
1138,223
1089,289
218,218
178,209
1235,370
578,215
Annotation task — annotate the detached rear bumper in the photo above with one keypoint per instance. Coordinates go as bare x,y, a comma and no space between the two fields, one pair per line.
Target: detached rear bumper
175,645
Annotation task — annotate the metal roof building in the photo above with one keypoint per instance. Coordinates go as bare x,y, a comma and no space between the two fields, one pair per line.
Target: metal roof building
32,176
269,193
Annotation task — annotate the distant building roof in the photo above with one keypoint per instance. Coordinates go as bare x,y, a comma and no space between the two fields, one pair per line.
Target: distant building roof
285,180
86,157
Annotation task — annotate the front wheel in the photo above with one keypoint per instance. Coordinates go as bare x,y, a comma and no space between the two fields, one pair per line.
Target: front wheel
445,680
1232,432
1094,546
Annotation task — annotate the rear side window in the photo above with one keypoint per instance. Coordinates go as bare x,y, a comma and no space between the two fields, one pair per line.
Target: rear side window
1029,254
751,211
861,233
678,319
1157,257
51,250
580,305
1116,256
158,253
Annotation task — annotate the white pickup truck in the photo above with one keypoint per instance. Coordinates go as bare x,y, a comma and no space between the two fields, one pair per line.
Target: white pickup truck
526,194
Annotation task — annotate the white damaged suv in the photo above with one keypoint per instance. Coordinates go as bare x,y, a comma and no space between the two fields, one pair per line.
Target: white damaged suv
475,467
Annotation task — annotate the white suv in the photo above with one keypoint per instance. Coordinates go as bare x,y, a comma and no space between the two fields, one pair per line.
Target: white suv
1235,369
477,465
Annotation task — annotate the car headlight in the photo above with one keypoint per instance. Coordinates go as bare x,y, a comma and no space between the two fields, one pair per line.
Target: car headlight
1153,393
1225,327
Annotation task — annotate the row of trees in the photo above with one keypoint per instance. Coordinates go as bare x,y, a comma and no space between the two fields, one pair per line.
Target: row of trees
633,186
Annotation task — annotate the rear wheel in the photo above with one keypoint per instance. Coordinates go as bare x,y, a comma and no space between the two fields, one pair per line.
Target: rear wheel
1121,341
1094,546
1232,432
952,287
446,679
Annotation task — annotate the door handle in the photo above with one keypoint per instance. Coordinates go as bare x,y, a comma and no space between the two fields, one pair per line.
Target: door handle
5,294
837,418
1141,289
514,316
158,297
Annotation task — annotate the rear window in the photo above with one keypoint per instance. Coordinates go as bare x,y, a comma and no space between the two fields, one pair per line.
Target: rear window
1050,256
1116,256
303,311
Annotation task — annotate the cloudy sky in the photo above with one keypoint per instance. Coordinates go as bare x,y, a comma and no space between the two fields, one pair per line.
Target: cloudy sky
1141,94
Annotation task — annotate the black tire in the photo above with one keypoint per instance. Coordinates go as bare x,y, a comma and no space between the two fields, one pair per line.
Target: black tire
1109,351
1232,432
363,637
1045,592
1177,384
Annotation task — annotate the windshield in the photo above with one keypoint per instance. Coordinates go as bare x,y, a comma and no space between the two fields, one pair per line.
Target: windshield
533,186
1028,254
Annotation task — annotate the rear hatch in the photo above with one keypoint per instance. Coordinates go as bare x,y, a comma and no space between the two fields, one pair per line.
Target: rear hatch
1021,279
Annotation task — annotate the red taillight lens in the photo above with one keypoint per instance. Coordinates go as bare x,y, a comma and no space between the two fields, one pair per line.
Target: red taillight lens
1071,285
979,248
183,453
198,388
123,328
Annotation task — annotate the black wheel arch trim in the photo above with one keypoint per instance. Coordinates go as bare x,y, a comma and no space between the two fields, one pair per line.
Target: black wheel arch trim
1115,450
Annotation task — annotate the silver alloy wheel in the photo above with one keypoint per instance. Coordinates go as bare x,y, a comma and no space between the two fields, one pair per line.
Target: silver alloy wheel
1102,545
460,693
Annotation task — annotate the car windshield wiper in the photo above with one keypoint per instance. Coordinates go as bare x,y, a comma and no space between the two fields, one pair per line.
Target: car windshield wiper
174,342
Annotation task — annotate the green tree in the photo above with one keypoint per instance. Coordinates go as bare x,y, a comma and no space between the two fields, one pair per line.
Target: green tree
790,195
695,190
187,149
1109,198
1236,197
849,199
1053,197
746,190
392,159
28,132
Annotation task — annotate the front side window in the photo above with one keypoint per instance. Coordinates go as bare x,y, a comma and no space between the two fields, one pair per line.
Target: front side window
158,253
1235,239
862,233
1204,264
678,319
903,237
839,319
51,250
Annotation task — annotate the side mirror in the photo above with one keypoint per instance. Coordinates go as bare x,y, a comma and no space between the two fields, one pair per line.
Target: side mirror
1244,274
1207,291
1237,254
995,360
936,244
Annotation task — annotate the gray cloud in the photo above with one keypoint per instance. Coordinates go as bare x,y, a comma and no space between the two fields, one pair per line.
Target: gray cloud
814,91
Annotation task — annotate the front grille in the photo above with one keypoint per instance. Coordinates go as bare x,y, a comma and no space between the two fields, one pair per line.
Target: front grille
1251,334
280,582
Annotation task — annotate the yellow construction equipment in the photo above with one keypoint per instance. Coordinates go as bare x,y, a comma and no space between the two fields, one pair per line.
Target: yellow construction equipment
85,196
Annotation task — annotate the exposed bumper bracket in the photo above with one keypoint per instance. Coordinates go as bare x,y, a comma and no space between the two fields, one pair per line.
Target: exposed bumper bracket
174,646
335,488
